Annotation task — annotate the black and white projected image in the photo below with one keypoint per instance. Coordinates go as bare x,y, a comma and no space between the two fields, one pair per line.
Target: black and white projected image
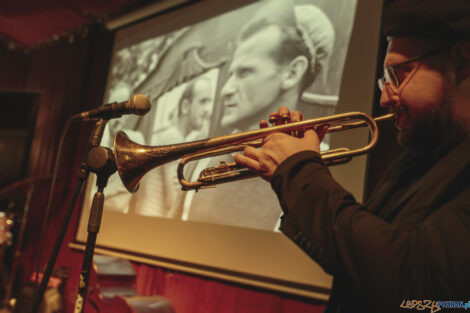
223,76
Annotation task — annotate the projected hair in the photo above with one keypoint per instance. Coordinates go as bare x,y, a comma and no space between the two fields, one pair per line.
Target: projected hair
292,45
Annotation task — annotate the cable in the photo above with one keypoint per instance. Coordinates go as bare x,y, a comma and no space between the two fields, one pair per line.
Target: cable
49,201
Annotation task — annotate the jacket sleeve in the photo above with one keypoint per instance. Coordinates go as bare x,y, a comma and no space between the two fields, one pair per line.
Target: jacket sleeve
393,262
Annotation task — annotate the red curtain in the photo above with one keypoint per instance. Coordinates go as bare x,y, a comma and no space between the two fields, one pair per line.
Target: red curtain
19,19
193,294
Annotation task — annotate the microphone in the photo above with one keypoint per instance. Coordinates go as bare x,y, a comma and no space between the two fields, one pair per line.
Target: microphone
138,104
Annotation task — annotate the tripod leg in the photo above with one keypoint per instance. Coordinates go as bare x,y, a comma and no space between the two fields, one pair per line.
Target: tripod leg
58,243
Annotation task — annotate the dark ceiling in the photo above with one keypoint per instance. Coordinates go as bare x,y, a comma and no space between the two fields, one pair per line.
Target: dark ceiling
31,23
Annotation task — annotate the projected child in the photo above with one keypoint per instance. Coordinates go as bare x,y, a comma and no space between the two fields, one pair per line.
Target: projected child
161,192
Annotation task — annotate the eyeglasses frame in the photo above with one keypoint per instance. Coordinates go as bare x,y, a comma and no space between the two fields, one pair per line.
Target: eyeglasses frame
382,81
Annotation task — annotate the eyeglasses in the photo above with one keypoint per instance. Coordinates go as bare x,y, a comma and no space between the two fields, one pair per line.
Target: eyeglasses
391,76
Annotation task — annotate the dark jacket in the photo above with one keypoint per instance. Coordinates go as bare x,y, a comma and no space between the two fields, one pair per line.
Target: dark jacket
411,241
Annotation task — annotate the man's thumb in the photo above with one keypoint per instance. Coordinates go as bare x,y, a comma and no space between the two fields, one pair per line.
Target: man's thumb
311,136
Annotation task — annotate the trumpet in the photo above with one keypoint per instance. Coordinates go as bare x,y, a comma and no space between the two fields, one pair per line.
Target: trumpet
134,160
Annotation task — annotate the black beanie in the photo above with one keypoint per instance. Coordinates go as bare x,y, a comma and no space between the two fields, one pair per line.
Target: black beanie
440,19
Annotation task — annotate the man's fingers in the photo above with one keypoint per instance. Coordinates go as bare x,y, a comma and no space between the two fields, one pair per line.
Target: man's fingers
321,131
284,116
296,116
283,111
252,153
250,158
312,136
247,162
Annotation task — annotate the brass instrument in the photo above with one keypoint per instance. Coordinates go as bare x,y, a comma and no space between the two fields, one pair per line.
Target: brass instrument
134,160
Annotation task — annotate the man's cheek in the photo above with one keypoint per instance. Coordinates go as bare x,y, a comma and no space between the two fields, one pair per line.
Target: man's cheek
249,94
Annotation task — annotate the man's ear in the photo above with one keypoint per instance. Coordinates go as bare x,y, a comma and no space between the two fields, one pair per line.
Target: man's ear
185,107
461,53
294,72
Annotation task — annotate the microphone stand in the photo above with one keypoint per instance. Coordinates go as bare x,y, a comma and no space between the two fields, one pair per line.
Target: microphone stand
99,160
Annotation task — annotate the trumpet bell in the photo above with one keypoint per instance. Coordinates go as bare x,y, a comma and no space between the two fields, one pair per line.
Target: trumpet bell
128,156
134,160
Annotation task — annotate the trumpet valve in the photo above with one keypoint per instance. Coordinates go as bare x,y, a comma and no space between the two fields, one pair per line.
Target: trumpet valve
272,120
211,173
277,120
285,119
223,171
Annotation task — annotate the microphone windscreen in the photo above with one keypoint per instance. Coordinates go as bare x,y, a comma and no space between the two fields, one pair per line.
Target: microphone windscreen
139,104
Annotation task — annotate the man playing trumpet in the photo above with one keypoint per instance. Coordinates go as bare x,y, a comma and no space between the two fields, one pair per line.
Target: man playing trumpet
409,241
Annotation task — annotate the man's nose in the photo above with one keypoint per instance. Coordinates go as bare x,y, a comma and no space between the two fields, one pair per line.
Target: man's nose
229,89
388,97
206,111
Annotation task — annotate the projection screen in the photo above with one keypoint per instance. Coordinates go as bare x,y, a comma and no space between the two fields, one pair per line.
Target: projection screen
210,69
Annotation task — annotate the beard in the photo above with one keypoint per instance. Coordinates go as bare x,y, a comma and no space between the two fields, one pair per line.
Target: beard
431,131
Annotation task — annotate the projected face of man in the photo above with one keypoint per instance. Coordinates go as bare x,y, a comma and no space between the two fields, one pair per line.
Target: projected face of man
254,82
201,104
